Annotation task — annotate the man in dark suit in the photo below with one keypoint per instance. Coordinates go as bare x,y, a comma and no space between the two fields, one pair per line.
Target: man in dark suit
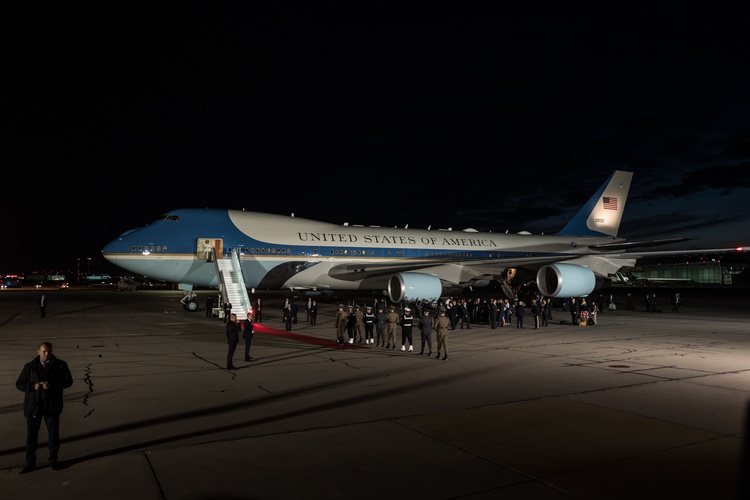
314,312
233,338
227,310
247,335
43,380
43,306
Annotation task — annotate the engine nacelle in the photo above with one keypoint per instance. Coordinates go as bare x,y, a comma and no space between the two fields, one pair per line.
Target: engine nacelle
565,280
413,286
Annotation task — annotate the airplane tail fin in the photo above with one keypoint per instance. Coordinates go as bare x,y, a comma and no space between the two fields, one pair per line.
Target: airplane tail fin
601,215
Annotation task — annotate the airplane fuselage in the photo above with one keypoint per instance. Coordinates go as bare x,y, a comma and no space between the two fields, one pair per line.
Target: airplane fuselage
279,251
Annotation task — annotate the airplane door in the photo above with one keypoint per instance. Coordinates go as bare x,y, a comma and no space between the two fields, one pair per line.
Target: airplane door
210,247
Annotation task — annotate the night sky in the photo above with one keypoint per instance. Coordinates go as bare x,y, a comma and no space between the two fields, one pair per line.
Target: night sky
497,118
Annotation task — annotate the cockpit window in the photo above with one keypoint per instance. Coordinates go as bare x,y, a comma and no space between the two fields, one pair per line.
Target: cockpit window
170,217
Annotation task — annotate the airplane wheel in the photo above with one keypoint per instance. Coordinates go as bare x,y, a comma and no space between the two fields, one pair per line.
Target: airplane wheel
191,305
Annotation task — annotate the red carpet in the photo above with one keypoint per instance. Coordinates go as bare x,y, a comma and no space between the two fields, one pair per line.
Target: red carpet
298,337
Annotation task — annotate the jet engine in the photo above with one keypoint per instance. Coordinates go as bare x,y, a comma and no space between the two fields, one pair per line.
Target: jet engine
413,286
565,280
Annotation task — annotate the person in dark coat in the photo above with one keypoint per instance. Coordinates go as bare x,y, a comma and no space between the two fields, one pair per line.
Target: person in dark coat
247,336
381,324
519,314
233,338
42,381
351,322
294,309
426,325
575,311
43,306
227,311
258,311
288,318
314,312
536,311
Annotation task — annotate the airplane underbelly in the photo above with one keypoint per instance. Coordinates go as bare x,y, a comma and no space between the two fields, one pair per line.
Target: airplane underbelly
318,276
173,270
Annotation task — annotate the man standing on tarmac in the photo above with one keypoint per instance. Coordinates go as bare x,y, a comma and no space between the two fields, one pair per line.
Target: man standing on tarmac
42,381
369,321
407,324
341,317
233,338
381,322
43,306
443,324
426,325
392,321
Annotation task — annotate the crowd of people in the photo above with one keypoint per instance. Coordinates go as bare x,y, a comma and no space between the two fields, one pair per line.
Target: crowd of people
379,324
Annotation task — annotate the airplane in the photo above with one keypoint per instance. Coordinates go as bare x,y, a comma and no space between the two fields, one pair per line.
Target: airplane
225,249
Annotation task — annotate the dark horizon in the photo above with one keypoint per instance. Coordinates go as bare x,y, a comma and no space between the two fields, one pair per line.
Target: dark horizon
499,117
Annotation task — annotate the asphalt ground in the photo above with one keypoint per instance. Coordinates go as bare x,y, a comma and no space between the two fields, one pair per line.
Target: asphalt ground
642,405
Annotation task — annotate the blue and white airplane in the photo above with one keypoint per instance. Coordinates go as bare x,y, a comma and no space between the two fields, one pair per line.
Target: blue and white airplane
277,252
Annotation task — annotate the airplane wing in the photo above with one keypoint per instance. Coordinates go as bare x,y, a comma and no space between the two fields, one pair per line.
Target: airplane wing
625,245
672,253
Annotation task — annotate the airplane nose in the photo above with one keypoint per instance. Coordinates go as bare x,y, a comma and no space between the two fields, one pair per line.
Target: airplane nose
115,246
109,248
118,245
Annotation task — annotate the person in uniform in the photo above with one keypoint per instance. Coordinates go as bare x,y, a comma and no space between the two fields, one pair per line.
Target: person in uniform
443,325
407,323
340,324
358,323
392,322
369,321
381,324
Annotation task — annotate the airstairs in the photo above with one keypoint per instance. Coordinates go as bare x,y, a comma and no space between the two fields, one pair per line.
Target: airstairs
507,290
232,284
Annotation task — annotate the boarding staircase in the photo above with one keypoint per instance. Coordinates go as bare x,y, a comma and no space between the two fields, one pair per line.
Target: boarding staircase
232,284
507,290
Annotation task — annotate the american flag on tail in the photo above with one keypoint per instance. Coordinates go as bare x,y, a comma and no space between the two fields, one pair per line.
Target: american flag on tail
609,202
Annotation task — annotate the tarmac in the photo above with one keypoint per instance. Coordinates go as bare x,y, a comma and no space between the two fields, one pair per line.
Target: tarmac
641,405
